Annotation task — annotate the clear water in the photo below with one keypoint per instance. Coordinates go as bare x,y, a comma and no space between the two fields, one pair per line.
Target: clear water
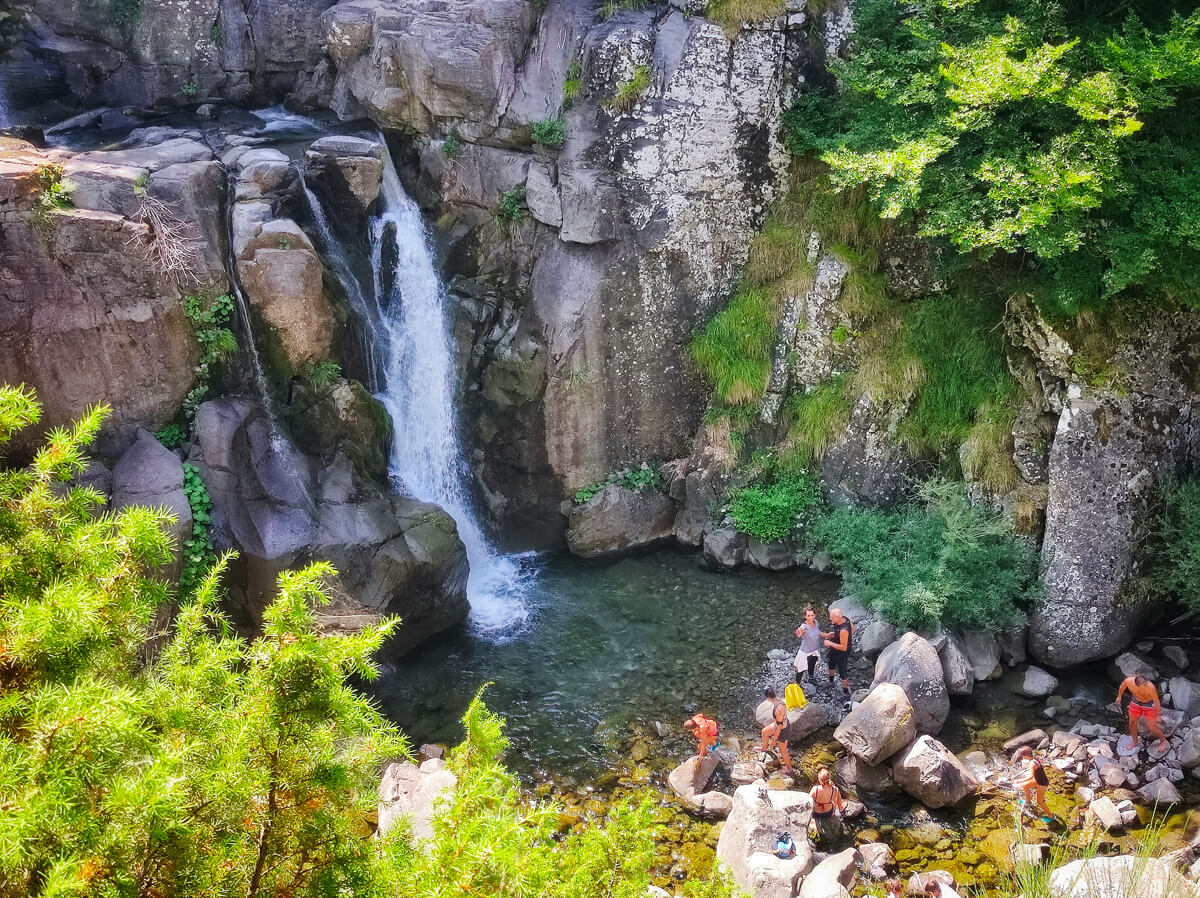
608,651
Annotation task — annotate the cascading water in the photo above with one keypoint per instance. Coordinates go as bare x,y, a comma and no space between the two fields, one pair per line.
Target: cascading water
414,378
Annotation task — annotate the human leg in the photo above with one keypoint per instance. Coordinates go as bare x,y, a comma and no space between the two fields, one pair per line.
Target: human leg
785,757
1156,731
812,667
1133,725
1040,794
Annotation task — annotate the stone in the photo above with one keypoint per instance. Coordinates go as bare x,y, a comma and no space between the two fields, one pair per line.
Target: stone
916,882
409,790
957,670
1119,877
774,556
1104,811
1012,645
1185,695
1037,683
1029,854
1131,664
803,722
150,474
747,842
691,778
1189,750
875,637
619,519
880,726
930,773
865,778
1177,656
1160,793
1032,738
725,548
983,653
912,664
878,859
831,877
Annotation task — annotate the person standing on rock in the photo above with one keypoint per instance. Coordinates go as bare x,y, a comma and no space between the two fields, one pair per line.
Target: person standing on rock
810,635
1031,783
775,734
705,729
1144,704
838,643
828,805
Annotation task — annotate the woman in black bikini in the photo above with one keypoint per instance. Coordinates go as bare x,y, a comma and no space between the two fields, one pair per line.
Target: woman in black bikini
1032,782
775,735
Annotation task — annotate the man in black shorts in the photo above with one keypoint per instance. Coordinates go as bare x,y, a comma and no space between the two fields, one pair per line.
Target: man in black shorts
838,643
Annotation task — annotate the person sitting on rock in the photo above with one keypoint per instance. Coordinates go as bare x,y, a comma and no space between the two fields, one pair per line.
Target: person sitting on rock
828,805
1031,783
837,641
775,734
1144,704
809,634
705,729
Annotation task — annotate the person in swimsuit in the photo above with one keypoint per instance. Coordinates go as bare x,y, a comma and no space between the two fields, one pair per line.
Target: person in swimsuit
936,889
838,643
775,735
828,804
1032,782
810,635
705,729
1144,705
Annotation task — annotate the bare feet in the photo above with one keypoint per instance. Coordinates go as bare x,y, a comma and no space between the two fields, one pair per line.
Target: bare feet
1163,745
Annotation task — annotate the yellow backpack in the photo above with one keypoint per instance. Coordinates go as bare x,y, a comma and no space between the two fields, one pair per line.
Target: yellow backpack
793,697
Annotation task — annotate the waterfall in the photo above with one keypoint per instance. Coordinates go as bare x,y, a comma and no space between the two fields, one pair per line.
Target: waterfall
415,380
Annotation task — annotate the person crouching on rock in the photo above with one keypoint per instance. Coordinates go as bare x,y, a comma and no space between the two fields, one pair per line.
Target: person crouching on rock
828,805
775,734
1031,782
1144,704
705,729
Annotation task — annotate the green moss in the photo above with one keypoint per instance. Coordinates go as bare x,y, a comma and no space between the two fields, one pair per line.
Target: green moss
732,14
733,351
815,420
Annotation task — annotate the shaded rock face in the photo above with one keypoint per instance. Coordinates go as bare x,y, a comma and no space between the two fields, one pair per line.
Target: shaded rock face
150,474
1108,457
81,322
618,519
173,53
280,509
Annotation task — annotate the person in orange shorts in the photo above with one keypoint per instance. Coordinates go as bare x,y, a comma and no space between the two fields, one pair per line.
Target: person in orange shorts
705,729
1145,706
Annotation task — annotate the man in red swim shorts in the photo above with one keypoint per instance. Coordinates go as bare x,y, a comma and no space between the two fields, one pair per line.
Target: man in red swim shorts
1144,705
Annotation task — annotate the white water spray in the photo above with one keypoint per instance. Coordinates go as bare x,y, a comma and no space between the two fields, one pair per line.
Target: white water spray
412,346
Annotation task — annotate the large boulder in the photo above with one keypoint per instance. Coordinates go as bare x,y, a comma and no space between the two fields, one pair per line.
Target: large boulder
353,166
412,791
930,773
618,519
280,508
690,782
1037,683
746,846
957,670
913,664
879,726
803,722
874,637
1185,695
864,777
983,653
150,474
832,877
1119,877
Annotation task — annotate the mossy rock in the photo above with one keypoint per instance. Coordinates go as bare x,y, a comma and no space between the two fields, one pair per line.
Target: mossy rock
343,417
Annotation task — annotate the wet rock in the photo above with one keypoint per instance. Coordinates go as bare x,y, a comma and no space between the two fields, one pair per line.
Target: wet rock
776,556
878,859
1037,683
1159,793
407,790
983,653
150,474
1118,877
916,882
1185,695
875,637
956,667
880,726
690,782
930,773
1032,738
747,843
1104,811
619,519
725,548
831,877
863,777
912,664
353,164
1131,664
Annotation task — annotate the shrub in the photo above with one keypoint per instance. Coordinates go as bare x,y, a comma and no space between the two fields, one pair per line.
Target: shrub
452,146
1176,568
771,510
512,206
939,559
646,476
573,84
171,436
550,133
733,351
210,324
51,192
629,91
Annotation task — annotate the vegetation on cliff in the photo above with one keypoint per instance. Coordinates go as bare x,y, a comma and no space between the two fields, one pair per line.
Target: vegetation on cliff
200,763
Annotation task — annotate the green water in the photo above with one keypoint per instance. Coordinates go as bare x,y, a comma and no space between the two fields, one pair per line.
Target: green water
609,651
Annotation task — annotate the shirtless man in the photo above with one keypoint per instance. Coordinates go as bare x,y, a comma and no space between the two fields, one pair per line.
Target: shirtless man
1145,704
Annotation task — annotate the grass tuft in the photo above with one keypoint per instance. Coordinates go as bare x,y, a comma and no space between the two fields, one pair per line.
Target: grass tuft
987,450
733,351
815,420
629,91
731,15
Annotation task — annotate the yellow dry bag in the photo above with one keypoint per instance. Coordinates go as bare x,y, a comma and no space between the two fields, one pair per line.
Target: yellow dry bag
793,697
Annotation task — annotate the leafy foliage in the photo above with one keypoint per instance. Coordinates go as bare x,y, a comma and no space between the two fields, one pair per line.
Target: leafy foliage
733,351
630,90
1026,126
189,89
772,510
1176,557
550,133
647,476
322,375
198,555
51,192
512,206
171,436
939,559
210,325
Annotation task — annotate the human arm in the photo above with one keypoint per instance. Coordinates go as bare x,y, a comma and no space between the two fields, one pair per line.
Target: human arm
839,800
1121,691
843,642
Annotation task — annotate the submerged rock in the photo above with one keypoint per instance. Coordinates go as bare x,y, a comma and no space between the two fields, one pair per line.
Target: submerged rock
619,519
